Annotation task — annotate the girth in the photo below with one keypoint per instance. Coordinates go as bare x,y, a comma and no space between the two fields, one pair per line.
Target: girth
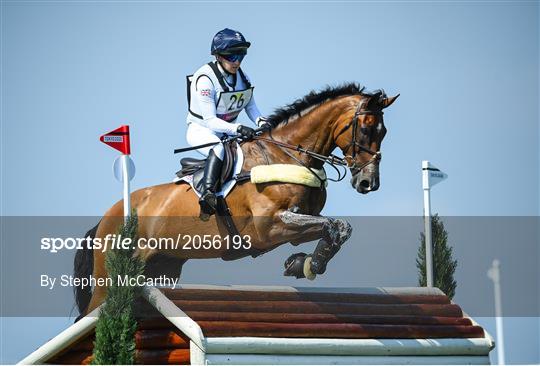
223,214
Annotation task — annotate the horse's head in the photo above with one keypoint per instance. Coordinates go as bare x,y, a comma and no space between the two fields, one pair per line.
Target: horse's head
360,136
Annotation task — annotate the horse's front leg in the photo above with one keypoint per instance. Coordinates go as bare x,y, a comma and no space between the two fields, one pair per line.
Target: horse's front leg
331,232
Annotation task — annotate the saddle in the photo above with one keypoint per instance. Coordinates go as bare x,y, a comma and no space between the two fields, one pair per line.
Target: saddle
193,170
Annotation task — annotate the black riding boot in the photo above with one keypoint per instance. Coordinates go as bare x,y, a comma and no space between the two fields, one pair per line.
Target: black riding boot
212,172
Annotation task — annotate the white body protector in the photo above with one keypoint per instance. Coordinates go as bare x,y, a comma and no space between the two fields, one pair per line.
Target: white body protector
215,101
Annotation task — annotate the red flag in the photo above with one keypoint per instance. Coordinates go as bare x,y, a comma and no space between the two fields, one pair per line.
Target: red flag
118,139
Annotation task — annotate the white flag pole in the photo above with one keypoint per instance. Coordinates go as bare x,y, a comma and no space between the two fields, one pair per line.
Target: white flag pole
427,223
124,171
430,176
495,275
126,178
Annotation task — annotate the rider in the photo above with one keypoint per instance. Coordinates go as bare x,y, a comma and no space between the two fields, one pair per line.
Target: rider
217,93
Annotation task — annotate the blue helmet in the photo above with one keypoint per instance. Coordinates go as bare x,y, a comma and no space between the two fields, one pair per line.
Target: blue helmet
229,41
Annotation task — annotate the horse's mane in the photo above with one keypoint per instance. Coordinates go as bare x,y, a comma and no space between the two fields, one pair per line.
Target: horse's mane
284,114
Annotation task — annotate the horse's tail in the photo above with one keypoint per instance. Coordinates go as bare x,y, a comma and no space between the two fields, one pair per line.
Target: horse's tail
83,265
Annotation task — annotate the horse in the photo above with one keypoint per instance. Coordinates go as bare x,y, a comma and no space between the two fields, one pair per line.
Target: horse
305,133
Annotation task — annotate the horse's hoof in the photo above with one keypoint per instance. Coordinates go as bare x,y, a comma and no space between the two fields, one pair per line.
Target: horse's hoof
299,266
307,269
295,266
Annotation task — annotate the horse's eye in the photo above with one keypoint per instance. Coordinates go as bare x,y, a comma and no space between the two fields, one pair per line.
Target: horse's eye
364,130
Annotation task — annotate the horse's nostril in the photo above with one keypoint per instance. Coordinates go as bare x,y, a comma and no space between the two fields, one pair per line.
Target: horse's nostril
364,184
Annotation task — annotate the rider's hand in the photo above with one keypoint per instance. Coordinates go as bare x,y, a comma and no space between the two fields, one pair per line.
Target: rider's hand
246,132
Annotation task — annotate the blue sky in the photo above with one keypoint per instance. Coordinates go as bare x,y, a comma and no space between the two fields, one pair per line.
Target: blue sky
468,74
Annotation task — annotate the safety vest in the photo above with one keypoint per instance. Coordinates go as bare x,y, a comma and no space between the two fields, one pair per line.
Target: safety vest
229,101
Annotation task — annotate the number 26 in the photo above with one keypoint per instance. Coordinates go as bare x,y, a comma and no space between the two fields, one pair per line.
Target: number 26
239,100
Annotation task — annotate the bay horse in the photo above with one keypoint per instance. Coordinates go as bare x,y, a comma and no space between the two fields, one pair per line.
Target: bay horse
305,132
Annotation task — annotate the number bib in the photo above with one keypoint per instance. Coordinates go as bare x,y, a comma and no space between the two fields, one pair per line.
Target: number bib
231,103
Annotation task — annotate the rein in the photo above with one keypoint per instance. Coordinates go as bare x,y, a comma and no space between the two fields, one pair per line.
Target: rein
333,160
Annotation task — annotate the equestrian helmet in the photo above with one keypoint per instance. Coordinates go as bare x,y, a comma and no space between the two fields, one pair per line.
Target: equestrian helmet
229,41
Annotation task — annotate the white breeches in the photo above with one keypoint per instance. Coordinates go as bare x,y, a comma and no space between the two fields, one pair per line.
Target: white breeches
198,135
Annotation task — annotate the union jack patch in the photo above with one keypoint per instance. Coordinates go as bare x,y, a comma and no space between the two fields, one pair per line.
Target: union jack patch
205,92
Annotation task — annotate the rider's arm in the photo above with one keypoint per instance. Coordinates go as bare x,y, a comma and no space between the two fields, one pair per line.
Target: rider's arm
252,111
205,96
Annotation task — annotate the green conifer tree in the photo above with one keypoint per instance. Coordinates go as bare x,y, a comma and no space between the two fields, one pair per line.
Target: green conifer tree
444,265
116,326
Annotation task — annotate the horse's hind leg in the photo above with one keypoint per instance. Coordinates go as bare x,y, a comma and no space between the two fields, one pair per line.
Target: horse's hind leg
331,232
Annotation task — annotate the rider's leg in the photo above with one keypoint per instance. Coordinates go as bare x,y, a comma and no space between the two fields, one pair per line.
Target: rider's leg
198,135
212,172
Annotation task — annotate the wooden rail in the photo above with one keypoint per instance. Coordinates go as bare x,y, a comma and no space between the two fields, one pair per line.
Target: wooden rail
239,295
448,310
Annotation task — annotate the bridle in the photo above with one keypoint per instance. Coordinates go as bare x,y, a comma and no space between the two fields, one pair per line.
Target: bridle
333,160
356,145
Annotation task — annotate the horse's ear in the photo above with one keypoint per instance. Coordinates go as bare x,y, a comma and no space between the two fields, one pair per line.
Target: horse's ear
387,102
374,101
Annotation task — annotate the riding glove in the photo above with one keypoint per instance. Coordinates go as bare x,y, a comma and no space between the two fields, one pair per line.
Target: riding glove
246,132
